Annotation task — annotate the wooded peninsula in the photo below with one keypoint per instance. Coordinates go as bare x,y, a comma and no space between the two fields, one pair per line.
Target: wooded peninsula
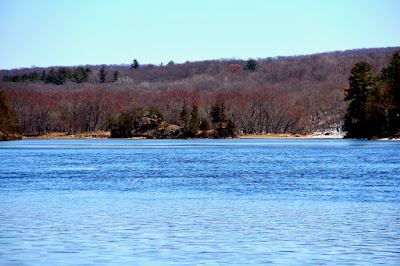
355,91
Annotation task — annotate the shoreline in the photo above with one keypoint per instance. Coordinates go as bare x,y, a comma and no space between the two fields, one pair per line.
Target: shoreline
106,135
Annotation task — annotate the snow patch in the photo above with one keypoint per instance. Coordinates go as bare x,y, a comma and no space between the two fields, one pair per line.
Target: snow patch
334,134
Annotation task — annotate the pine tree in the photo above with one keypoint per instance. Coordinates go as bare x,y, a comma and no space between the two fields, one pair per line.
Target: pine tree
43,76
185,115
217,113
56,77
390,78
116,74
204,125
194,120
251,65
81,75
361,81
9,123
135,64
103,74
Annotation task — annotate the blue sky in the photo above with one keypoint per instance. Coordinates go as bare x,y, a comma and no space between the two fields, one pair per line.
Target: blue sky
79,32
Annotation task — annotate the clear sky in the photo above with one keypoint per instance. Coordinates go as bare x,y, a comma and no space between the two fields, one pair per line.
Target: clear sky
78,32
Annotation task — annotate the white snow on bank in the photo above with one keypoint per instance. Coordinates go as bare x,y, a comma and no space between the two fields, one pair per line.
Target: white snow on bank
327,135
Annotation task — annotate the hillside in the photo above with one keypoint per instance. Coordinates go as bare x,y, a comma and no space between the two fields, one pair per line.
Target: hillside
298,94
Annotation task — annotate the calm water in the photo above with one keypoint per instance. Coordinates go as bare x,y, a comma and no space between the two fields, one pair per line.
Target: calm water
281,201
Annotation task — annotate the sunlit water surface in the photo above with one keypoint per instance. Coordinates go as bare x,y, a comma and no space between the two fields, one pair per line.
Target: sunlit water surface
281,201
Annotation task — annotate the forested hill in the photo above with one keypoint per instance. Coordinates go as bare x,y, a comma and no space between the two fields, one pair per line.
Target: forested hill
296,94
317,71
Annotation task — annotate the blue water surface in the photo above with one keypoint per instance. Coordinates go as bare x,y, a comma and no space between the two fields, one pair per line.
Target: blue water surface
236,201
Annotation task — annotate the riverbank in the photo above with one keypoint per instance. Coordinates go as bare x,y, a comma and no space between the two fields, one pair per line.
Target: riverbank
105,134
270,135
66,135
9,136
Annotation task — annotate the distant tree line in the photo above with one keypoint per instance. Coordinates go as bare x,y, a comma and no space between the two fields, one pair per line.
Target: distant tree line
57,77
61,75
374,108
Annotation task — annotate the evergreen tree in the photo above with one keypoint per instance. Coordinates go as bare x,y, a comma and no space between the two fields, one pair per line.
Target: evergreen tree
156,115
33,76
390,78
227,129
43,76
13,78
123,126
103,74
56,77
251,65
135,64
231,128
204,125
10,127
217,113
127,123
185,115
81,75
361,81
65,72
194,120
116,75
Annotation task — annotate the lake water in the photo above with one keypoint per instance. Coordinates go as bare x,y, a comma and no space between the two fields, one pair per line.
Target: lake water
255,201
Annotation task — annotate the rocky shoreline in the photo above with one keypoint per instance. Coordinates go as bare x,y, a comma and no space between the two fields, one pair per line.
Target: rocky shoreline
9,136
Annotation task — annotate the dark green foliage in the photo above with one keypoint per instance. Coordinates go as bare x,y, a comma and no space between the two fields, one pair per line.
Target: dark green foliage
185,115
150,124
192,127
13,78
65,72
55,77
136,122
374,110
33,76
81,75
391,75
390,79
103,74
194,119
204,125
361,81
116,74
227,130
217,113
43,76
122,126
9,123
226,127
171,63
135,64
58,77
251,65
156,115
126,124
